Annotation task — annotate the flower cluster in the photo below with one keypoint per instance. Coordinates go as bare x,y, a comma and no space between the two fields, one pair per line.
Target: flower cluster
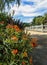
15,27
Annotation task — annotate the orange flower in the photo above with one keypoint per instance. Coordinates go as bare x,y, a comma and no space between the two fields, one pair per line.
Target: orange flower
30,60
9,26
16,28
14,51
34,39
23,63
33,42
2,22
14,38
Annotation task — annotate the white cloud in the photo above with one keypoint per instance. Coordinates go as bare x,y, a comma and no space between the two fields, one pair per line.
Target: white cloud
30,14
29,10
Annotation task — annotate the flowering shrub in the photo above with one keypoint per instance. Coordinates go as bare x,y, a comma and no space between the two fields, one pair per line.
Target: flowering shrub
33,42
15,46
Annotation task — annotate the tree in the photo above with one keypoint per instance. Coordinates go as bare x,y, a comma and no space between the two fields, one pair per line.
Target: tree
33,22
38,20
3,3
45,18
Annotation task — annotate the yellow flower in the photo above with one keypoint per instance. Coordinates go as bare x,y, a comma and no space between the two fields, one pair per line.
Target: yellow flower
25,54
24,37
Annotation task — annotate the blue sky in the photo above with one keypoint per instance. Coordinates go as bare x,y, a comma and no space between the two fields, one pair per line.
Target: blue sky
29,9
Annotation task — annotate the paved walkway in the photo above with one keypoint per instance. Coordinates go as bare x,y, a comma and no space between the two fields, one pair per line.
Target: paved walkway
40,53
36,33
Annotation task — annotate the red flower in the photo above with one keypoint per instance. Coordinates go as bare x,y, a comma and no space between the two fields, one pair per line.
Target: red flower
34,44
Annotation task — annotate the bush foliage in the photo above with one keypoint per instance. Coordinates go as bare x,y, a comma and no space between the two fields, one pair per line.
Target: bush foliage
15,46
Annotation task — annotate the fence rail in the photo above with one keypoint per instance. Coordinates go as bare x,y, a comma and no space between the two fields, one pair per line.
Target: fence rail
41,28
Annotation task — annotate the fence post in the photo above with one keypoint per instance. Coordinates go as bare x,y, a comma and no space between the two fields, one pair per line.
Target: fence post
42,27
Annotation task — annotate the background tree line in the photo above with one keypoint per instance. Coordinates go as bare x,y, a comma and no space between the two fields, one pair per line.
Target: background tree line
39,20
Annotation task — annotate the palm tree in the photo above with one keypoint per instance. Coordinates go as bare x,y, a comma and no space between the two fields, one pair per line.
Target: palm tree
3,3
